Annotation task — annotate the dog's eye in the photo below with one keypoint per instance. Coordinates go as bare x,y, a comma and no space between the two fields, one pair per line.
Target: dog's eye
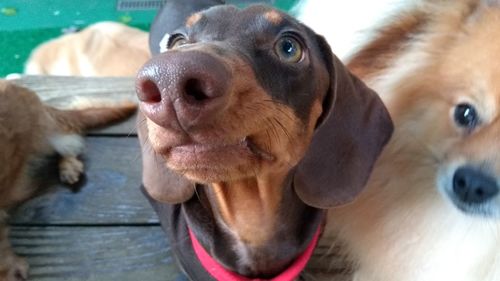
288,49
177,40
466,116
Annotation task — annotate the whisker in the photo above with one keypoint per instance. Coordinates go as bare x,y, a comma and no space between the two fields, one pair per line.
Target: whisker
273,129
284,129
196,192
269,140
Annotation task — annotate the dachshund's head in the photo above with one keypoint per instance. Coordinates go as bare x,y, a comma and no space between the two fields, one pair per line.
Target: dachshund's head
236,93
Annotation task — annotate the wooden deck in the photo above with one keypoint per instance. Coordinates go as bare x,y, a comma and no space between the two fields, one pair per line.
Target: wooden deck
104,229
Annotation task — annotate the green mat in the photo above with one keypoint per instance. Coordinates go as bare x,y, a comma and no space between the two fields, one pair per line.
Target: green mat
26,23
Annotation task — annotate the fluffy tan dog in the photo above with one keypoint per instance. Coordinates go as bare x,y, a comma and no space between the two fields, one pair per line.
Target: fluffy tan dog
102,49
431,211
30,131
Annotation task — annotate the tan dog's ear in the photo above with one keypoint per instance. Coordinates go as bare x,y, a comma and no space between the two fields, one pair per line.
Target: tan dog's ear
160,182
355,126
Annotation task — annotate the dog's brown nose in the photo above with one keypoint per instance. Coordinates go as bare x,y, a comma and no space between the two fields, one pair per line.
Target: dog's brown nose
185,87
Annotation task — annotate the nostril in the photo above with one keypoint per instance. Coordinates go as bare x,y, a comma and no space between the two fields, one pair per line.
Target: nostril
148,92
459,182
194,91
479,192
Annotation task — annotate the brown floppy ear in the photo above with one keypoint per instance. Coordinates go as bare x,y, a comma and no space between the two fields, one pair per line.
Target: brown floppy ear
161,183
355,126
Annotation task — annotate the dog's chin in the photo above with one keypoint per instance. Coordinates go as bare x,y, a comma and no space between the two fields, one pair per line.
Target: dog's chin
490,210
207,176
216,162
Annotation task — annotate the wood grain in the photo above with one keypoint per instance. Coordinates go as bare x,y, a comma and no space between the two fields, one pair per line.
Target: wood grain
95,253
54,89
67,92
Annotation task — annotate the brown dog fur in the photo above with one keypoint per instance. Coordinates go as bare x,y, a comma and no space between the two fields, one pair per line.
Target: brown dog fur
233,133
30,131
405,227
102,49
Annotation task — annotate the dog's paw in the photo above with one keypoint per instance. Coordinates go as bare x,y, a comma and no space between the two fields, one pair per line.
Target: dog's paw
70,170
13,268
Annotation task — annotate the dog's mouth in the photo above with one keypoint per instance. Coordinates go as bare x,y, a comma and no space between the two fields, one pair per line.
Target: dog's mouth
213,160
212,154
471,196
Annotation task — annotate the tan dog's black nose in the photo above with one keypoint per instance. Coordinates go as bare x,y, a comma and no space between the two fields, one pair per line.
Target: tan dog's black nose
186,88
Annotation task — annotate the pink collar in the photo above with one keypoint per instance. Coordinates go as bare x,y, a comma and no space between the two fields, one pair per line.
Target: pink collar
218,272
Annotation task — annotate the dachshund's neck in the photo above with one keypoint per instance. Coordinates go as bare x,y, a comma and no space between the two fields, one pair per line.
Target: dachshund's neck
261,224
244,204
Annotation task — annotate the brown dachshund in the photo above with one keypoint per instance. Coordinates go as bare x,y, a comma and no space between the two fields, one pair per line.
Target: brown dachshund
249,127
29,132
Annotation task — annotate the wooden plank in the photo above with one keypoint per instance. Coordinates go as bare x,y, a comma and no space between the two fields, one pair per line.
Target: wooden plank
54,89
95,253
125,128
127,253
110,194
66,91
328,263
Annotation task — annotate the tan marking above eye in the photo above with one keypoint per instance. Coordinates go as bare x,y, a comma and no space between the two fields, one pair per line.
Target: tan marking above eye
273,16
193,19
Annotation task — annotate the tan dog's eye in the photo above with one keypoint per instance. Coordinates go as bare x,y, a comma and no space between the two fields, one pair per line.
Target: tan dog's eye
466,116
288,49
177,40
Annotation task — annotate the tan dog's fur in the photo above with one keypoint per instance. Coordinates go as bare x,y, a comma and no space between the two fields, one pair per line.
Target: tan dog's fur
102,49
30,131
404,227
